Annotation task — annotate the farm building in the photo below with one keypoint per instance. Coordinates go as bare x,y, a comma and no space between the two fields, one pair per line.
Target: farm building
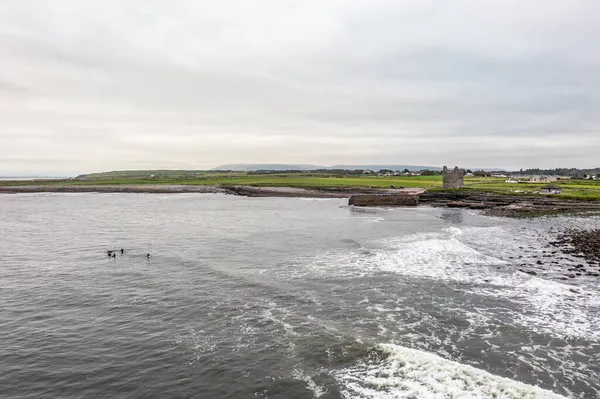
551,189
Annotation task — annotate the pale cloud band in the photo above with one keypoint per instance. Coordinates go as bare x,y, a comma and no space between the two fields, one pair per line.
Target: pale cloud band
90,86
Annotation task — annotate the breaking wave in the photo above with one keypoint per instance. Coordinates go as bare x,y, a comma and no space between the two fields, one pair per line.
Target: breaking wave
394,371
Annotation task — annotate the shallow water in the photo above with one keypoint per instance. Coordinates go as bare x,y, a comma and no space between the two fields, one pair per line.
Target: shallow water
286,298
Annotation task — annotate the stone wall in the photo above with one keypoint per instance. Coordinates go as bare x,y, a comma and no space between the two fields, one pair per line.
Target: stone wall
453,178
408,199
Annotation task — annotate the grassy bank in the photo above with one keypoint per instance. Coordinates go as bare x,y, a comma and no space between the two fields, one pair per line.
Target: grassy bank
571,189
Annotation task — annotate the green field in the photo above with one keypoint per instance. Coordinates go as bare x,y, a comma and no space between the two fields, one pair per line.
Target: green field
572,189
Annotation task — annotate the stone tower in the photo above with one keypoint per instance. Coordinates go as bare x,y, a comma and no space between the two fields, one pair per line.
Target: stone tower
453,178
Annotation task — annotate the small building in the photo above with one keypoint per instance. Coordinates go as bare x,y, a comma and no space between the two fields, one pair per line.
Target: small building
551,189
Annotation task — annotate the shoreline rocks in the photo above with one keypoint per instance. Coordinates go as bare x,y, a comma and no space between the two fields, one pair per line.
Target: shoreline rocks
490,204
508,205
580,243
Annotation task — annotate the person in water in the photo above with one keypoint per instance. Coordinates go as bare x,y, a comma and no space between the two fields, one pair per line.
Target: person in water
114,255
148,256
122,251
109,253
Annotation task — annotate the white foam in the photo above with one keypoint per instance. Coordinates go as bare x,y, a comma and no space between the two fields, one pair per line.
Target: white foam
410,373
317,390
546,305
432,256
268,315
428,255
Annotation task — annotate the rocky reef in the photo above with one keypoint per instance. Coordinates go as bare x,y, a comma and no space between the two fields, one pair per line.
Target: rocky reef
404,199
508,205
582,243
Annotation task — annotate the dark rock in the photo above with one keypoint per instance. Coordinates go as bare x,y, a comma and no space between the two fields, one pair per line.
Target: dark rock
530,272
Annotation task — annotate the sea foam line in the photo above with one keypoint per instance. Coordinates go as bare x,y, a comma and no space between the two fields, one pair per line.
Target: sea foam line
410,373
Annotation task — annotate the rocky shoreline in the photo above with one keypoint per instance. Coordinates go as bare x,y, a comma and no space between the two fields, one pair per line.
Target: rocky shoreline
580,243
508,205
246,191
491,204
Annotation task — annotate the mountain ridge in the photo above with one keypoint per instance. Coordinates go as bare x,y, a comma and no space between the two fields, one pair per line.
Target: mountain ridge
250,167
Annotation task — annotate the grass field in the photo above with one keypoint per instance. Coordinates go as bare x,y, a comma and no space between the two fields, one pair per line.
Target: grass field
572,189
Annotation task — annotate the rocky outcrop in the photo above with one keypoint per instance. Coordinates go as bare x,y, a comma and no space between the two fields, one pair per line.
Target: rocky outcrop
403,199
507,205
580,243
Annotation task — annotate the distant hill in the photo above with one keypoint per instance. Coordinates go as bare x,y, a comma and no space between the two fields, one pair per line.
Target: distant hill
249,167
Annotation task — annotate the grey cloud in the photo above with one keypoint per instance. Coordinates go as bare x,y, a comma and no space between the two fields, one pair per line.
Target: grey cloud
111,85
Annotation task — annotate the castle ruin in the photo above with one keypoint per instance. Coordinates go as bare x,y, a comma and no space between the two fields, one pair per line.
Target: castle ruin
453,178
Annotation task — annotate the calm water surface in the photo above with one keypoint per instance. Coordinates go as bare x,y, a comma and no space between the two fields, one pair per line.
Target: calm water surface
286,298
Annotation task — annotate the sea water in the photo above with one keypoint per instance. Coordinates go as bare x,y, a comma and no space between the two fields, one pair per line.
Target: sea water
287,298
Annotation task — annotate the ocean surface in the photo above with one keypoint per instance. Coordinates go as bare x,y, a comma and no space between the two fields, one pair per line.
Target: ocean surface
287,298
30,178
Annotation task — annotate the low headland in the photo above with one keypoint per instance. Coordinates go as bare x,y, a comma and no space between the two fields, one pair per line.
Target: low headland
493,195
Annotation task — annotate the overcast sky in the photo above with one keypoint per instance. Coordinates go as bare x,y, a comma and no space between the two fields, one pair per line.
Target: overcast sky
89,85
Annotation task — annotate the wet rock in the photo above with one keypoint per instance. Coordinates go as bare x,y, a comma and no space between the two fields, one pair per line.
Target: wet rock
539,262
570,275
528,272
